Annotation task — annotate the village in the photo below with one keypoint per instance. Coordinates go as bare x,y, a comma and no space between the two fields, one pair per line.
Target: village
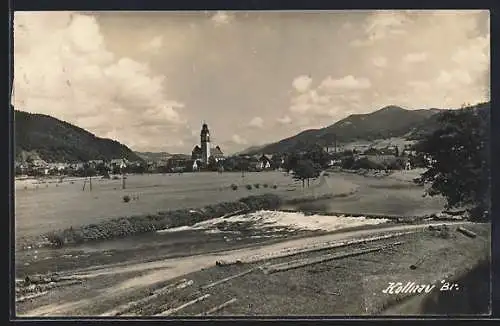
208,158
181,163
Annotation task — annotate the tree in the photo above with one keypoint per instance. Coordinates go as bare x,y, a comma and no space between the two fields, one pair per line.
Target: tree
365,163
212,164
306,170
457,161
348,162
229,164
318,155
276,161
291,161
102,169
243,165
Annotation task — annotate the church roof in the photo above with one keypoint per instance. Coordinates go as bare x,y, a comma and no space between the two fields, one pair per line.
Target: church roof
217,151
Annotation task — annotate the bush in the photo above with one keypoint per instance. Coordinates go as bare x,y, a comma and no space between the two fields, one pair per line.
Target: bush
249,187
275,186
365,163
265,185
397,164
256,186
347,162
126,198
234,187
55,239
266,201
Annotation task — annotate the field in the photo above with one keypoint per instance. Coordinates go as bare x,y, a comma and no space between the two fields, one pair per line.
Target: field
120,271
50,206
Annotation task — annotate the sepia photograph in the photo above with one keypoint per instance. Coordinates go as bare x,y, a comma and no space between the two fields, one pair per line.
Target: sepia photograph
213,164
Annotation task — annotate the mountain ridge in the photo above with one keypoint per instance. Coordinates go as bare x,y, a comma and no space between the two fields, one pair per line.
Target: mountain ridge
387,122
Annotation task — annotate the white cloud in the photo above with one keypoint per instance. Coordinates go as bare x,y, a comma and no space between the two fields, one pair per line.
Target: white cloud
302,83
63,68
379,62
475,55
452,87
345,83
154,45
333,99
256,122
237,139
221,18
453,44
415,57
285,120
381,25
451,79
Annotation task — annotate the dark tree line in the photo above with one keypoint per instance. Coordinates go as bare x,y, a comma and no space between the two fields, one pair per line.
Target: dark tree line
458,161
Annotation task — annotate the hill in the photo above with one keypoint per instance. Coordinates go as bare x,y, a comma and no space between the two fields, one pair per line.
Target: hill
251,149
154,156
390,121
53,140
425,127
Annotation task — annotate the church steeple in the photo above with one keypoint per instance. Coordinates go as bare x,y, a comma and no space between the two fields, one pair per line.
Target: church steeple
205,142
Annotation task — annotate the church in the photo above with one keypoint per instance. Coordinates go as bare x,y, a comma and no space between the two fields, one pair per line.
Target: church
206,150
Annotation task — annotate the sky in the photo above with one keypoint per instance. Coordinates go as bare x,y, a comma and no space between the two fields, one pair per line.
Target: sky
150,79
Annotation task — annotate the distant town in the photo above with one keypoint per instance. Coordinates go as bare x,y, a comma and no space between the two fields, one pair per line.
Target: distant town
206,157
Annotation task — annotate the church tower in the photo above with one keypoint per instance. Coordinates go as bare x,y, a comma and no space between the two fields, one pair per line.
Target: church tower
205,143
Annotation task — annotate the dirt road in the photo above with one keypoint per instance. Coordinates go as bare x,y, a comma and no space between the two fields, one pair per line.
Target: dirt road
113,285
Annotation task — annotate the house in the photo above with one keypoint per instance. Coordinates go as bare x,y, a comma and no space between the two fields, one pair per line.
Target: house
95,163
217,154
197,153
408,152
39,163
178,162
264,163
161,163
118,162
335,162
77,166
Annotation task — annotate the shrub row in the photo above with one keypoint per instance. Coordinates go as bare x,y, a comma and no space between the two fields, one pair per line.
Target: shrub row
256,186
125,226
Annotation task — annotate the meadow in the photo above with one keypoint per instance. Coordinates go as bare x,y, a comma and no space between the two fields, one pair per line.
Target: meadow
48,206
